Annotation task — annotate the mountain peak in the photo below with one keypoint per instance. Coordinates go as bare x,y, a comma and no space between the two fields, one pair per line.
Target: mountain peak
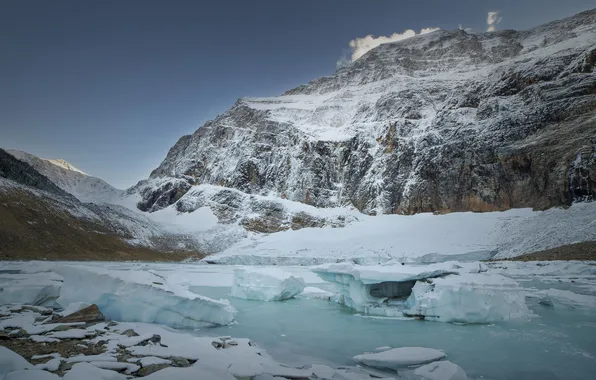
65,165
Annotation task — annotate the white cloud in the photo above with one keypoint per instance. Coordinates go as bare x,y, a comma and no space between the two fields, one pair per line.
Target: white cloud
492,20
360,46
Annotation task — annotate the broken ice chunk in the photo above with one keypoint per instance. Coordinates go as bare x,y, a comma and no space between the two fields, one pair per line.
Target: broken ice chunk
131,296
400,357
442,370
265,284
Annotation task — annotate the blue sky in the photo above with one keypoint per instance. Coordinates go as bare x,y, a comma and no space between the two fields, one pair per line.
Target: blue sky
111,85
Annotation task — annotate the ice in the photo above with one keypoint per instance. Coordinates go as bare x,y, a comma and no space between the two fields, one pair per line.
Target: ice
86,371
314,292
141,296
31,375
443,370
468,298
401,357
265,284
436,291
31,289
569,298
11,361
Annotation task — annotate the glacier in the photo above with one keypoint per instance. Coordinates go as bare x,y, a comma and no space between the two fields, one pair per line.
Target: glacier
265,284
141,296
443,292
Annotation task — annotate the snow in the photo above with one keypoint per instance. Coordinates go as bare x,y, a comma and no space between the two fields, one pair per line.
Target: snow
442,370
90,358
71,334
149,360
401,357
378,239
51,365
87,371
117,366
11,361
31,375
141,296
43,339
265,284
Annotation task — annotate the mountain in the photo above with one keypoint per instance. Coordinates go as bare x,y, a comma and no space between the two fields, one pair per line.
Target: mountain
39,219
70,179
447,121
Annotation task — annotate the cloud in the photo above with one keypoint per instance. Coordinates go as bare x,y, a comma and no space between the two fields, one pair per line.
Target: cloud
492,20
360,46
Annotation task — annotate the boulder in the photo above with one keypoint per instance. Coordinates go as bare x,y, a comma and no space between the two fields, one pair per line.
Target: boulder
87,315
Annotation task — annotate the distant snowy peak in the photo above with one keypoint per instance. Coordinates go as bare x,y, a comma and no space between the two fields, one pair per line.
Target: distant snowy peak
70,179
63,164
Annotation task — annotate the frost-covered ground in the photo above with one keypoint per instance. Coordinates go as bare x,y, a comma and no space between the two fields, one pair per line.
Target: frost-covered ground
550,335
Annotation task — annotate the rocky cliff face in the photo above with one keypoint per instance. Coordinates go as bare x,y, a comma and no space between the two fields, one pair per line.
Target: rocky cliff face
447,121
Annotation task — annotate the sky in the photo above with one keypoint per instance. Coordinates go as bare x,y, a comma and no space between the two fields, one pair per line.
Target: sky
111,85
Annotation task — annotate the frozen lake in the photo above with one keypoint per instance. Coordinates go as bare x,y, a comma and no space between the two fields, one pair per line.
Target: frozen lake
556,343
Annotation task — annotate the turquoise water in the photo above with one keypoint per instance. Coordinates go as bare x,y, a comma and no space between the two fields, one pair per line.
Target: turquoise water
560,343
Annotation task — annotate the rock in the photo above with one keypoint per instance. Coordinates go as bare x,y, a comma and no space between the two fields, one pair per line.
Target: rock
180,362
155,339
4,336
20,333
146,371
88,314
130,333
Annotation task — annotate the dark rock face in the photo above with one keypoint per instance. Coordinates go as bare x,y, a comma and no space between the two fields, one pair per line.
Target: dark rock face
21,172
448,121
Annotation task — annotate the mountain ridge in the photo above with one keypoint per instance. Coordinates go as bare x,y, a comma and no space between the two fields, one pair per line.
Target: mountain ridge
447,121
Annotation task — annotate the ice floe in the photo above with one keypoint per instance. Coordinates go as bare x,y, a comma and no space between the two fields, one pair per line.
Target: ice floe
141,296
265,284
437,291
397,358
441,370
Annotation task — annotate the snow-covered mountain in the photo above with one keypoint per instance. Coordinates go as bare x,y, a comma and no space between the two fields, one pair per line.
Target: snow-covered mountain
84,187
447,121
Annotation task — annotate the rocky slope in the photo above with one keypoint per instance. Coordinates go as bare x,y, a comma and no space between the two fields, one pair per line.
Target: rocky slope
84,187
448,121
40,220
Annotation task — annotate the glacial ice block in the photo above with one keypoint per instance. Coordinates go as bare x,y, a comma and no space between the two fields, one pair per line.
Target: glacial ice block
265,284
30,289
442,370
141,296
468,298
435,292
401,357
